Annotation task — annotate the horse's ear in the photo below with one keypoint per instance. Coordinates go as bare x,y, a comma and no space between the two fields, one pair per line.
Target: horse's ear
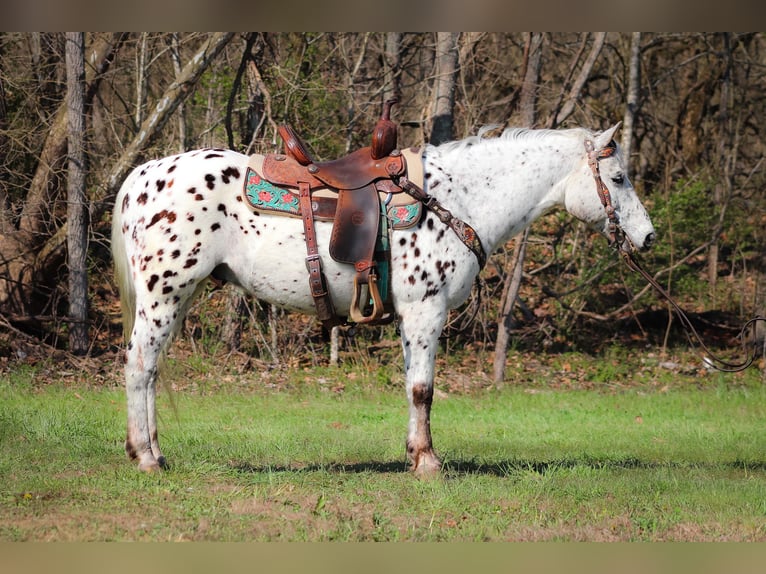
603,139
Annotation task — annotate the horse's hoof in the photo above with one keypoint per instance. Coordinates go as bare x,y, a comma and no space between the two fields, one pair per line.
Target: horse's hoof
423,473
151,465
428,467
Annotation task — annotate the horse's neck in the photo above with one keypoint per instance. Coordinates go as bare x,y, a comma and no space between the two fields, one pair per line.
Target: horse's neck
499,186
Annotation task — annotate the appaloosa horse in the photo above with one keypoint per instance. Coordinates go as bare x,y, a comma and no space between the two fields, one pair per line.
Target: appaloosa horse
179,219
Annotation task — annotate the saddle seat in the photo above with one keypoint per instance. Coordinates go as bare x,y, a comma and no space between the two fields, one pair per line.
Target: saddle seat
358,179
383,138
356,169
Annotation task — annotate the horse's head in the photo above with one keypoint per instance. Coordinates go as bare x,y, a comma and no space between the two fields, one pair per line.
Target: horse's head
600,193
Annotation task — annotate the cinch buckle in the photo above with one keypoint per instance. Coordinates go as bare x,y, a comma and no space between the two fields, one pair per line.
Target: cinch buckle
310,259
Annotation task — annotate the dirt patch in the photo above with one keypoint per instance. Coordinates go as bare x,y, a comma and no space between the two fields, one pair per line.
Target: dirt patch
78,527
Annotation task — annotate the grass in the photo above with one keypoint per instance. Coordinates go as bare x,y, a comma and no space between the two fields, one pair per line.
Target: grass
325,462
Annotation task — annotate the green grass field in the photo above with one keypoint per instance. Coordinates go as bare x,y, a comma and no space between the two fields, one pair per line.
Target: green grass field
677,461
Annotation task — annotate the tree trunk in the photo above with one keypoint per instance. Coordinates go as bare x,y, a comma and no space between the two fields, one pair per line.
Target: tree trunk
236,312
141,80
528,98
723,183
77,214
176,57
5,213
351,92
632,103
393,63
335,346
444,87
260,92
505,325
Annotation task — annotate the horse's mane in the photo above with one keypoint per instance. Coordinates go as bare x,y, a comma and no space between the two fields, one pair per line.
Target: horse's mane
510,134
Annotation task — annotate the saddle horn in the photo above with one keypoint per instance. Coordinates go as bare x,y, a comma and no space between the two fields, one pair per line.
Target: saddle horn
384,134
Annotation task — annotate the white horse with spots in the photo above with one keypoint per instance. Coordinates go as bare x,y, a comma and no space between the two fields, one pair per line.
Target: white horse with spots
180,219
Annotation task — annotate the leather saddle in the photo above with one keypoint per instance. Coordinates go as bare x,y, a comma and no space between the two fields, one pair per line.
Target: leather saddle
358,179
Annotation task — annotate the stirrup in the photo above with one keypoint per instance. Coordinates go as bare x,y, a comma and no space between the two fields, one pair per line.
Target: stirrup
378,311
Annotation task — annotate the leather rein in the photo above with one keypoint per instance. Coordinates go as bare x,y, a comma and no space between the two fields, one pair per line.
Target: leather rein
619,240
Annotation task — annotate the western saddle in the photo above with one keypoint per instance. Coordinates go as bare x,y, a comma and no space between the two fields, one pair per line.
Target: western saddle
358,178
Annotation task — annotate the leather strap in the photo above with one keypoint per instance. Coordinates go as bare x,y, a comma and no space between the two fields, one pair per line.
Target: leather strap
465,232
317,282
616,235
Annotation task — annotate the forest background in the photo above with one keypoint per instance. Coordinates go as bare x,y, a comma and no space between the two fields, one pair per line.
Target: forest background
78,111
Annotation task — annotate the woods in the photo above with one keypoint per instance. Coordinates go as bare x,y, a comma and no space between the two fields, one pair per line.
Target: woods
691,104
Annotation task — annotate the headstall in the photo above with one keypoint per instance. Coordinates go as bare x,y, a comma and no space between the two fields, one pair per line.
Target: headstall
615,234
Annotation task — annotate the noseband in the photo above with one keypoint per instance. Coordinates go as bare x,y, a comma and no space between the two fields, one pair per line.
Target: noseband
615,234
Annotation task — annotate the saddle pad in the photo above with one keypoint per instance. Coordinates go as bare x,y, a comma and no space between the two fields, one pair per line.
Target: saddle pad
262,196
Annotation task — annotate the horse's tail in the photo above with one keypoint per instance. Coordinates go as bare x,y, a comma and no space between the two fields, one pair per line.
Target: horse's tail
122,274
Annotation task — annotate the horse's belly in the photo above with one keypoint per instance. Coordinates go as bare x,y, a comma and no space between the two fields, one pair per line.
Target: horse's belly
272,266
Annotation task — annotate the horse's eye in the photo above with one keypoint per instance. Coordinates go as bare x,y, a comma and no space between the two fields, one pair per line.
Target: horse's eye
618,179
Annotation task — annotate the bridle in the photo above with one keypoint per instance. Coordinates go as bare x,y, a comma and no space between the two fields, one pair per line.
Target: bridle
620,241
615,233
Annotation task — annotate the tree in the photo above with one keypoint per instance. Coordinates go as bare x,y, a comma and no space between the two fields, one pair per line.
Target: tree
77,231
32,255
632,102
5,216
444,87
27,277
166,104
175,54
575,89
692,107
393,66
722,188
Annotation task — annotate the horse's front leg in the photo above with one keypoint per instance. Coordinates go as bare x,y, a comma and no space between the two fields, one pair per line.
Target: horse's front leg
420,329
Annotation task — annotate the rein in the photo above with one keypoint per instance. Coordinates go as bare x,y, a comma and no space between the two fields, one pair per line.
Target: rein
618,240
711,359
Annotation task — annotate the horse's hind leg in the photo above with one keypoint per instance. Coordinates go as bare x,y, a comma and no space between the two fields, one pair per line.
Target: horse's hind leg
141,363
420,329
155,323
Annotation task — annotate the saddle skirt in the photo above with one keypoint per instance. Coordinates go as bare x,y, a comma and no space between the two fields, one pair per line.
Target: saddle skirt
262,196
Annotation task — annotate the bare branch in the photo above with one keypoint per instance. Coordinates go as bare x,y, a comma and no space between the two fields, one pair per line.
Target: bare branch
575,93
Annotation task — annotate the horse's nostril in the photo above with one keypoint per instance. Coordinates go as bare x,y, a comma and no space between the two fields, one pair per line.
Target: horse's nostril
649,241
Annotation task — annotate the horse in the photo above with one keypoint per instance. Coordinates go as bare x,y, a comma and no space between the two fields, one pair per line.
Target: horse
181,219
